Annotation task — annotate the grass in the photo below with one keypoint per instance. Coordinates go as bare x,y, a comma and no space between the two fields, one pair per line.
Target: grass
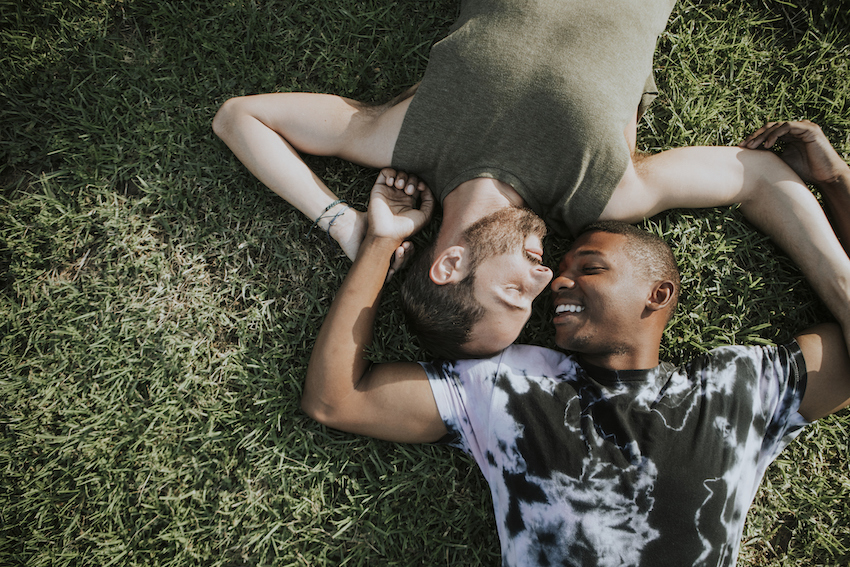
159,305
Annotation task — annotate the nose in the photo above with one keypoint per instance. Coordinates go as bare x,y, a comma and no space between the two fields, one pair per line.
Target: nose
542,276
563,281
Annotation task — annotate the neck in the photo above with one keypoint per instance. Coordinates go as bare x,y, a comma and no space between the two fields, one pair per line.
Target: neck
637,352
622,361
469,202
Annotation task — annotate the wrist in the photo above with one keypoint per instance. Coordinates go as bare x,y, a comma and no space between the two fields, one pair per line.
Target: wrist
380,244
839,183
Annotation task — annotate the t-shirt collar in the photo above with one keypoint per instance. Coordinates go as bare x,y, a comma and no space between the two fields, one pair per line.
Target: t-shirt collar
610,377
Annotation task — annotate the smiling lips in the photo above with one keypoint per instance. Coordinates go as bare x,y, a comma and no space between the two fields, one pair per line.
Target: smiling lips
568,308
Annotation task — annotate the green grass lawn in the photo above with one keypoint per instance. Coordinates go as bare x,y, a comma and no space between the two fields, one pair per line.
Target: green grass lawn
159,305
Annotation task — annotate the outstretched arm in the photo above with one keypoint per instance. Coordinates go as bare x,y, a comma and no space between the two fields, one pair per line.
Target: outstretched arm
342,390
267,131
774,198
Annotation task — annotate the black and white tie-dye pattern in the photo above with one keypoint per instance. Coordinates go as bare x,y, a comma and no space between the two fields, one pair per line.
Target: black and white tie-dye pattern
601,468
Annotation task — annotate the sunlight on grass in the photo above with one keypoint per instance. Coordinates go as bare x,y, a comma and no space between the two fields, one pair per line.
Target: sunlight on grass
159,305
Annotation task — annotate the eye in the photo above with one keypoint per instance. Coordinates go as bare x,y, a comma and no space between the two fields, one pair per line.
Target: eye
592,269
532,258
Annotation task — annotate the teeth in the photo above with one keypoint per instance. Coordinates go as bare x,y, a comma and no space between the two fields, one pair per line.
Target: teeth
568,308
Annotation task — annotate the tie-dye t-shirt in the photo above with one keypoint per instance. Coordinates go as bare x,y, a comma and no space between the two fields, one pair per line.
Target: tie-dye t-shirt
593,467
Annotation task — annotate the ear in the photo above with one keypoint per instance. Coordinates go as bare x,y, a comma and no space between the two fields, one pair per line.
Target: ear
449,266
661,295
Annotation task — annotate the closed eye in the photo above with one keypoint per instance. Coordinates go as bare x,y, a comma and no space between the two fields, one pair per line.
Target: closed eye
532,258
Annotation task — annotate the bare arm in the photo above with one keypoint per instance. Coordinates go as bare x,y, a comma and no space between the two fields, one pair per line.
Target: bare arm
388,401
267,131
808,152
828,367
772,197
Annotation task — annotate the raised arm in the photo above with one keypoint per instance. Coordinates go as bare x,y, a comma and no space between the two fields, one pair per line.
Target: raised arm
828,371
267,131
808,152
771,195
343,390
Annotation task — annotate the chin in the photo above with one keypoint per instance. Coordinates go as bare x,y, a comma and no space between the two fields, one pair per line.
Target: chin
572,343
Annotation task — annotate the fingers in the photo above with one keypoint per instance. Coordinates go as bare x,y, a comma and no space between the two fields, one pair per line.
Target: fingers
386,177
401,180
410,183
770,133
426,203
766,136
399,259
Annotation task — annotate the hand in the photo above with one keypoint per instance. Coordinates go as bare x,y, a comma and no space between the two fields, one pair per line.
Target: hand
392,213
807,150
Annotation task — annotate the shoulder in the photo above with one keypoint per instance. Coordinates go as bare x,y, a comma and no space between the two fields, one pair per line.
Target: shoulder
766,367
732,355
516,359
531,356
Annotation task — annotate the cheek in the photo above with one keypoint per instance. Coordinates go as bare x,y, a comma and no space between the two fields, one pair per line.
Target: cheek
628,309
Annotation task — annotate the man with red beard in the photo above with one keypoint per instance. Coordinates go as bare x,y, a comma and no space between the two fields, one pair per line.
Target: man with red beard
607,456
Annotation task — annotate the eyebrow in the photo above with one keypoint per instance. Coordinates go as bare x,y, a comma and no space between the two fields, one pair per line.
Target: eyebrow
583,252
586,252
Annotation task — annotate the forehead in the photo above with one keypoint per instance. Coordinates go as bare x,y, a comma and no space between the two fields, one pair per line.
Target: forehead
605,245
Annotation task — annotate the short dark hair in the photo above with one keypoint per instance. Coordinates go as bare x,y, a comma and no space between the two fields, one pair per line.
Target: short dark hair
441,316
648,250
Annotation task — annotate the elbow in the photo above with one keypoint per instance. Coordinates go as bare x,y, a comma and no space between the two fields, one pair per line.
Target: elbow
316,407
767,178
328,399
225,118
314,410
325,414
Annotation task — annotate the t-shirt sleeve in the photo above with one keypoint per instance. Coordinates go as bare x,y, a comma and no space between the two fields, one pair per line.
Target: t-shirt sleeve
650,93
782,386
454,384
449,395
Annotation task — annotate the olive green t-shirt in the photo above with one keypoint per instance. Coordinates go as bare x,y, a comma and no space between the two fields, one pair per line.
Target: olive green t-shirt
537,94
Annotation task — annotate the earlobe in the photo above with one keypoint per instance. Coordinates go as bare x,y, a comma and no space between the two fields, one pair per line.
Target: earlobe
449,266
661,296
